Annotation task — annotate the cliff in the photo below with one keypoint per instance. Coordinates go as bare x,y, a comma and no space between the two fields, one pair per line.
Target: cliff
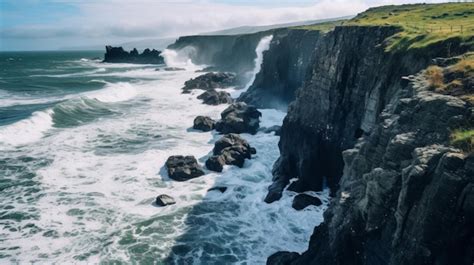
283,69
118,55
402,193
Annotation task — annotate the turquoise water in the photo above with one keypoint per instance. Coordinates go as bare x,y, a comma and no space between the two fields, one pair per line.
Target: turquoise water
83,144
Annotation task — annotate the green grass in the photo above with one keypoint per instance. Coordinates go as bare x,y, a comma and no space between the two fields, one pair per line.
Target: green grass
420,24
463,139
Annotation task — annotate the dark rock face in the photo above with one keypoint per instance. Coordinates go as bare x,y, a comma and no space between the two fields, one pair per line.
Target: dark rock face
284,69
282,258
210,81
239,118
302,201
203,123
182,168
212,97
118,55
230,149
164,200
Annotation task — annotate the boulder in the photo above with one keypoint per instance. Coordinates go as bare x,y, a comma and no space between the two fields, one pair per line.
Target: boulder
203,123
210,81
164,200
182,168
282,258
218,188
302,201
212,97
239,118
230,149
119,55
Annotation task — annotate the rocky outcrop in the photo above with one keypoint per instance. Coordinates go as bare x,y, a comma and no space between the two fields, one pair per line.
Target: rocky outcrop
164,200
230,149
212,97
203,123
302,201
118,55
239,118
182,168
210,81
284,69
381,143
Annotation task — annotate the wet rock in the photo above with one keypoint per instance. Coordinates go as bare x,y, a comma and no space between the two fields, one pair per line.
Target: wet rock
273,129
230,149
222,189
182,168
164,200
282,258
171,69
239,118
210,81
119,55
203,123
213,97
302,201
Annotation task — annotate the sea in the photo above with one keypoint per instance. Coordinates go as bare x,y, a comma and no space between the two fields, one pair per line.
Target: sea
82,151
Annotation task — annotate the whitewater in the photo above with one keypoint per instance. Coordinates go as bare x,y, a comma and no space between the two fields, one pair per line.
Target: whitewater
81,166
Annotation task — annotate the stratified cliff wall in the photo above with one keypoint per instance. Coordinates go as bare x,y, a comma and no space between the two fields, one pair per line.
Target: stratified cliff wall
283,70
402,195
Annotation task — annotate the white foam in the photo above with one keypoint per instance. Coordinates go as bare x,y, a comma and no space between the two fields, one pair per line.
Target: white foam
262,46
179,58
27,130
113,92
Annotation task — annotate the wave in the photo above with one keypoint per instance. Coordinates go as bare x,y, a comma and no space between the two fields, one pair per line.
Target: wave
28,130
113,92
78,111
262,46
179,58
86,73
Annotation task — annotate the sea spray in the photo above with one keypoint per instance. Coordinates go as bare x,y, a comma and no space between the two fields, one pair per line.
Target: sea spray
262,46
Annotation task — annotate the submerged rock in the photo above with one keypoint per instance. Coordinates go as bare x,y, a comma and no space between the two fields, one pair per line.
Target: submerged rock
273,129
119,55
182,168
164,200
230,149
302,201
282,258
222,189
210,81
213,97
203,123
239,118
174,69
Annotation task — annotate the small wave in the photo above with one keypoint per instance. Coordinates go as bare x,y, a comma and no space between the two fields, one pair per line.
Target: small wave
179,58
114,92
86,73
28,130
78,111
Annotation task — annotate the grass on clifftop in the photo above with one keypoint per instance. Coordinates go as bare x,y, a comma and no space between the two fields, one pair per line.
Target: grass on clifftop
463,139
422,24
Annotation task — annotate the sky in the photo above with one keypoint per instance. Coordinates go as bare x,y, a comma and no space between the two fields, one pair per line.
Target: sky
54,24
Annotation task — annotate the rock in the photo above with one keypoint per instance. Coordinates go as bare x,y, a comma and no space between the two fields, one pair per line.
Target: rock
164,200
118,55
239,118
282,258
218,188
210,81
275,129
182,168
302,201
174,69
230,149
203,123
212,97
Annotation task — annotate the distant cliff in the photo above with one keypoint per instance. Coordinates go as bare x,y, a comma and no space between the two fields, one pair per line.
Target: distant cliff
118,55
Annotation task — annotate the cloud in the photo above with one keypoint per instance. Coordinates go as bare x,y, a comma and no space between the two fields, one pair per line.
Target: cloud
120,19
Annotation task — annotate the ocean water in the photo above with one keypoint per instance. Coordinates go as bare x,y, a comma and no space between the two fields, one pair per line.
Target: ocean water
83,144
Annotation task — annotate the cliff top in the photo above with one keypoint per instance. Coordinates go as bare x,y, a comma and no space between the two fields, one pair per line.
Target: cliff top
421,24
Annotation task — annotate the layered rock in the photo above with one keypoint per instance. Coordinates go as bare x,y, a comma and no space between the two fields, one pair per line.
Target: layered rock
210,81
182,168
230,149
239,118
119,55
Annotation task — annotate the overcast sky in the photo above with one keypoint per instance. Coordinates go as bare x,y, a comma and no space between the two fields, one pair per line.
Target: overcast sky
51,24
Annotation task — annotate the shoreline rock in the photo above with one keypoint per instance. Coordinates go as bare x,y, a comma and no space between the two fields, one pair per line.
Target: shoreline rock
164,200
119,55
203,123
210,81
239,118
213,97
182,168
230,149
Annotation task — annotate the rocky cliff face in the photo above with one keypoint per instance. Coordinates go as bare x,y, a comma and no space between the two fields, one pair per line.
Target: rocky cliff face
381,143
284,69
234,53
